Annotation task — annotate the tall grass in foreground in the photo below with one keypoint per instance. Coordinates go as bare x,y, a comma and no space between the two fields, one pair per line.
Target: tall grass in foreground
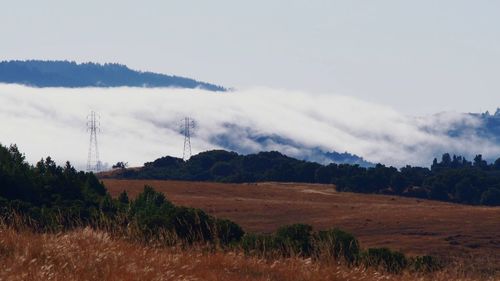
89,254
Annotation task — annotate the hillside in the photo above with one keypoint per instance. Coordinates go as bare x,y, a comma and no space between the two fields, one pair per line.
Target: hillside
49,215
452,179
413,226
37,73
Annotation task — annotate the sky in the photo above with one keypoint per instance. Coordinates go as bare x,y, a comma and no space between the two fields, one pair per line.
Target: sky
416,57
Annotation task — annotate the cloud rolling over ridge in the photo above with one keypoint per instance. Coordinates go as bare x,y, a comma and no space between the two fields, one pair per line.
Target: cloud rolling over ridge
140,125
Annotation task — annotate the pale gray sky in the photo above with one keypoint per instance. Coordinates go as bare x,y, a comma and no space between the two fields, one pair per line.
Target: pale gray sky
418,57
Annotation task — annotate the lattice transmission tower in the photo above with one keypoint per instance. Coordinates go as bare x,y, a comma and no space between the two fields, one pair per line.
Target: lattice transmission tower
187,128
93,126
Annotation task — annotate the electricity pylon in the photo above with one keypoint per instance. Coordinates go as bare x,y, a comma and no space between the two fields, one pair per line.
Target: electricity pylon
187,127
93,126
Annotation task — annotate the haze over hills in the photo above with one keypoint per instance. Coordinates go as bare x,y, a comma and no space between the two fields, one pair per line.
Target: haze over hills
38,73
225,139
69,74
320,128
490,125
466,126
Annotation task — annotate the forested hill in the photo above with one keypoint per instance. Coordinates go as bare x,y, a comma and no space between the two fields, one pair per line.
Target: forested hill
38,73
453,179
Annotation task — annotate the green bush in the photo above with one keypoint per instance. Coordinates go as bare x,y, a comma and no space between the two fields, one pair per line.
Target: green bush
337,244
123,198
391,261
151,212
192,225
424,264
295,239
259,244
228,232
154,215
287,241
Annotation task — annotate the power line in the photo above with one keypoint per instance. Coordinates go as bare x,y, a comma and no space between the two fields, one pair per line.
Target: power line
93,126
187,127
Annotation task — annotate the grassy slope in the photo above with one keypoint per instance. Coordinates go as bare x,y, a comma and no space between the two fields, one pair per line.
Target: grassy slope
416,227
87,254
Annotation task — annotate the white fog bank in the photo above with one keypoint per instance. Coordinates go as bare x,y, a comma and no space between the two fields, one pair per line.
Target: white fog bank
140,124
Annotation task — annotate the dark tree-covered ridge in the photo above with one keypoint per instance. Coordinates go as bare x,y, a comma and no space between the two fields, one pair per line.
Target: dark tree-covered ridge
38,73
452,179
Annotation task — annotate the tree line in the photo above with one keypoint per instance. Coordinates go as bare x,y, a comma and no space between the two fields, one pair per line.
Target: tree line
48,197
451,179
39,73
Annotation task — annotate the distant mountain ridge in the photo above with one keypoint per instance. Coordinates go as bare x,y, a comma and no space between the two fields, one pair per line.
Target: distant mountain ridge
487,126
268,142
491,125
38,73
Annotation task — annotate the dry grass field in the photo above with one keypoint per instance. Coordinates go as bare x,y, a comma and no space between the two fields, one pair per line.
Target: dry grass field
86,254
414,226
469,235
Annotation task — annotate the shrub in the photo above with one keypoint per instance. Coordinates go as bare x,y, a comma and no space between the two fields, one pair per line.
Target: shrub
337,244
107,206
259,244
154,216
424,264
151,212
295,239
122,204
192,225
390,261
152,220
228,232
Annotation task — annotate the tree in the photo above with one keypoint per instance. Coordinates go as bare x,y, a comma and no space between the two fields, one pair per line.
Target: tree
491,197
123,198
323,174
464,191
120,165
222,169
435,164
446,160
438,191
398,183
496,165
479,162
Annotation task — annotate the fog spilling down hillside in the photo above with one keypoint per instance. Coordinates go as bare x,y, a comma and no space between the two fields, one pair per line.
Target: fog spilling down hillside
140,125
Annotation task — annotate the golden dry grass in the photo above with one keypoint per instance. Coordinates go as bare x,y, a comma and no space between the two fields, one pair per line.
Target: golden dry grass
87,254
414,226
